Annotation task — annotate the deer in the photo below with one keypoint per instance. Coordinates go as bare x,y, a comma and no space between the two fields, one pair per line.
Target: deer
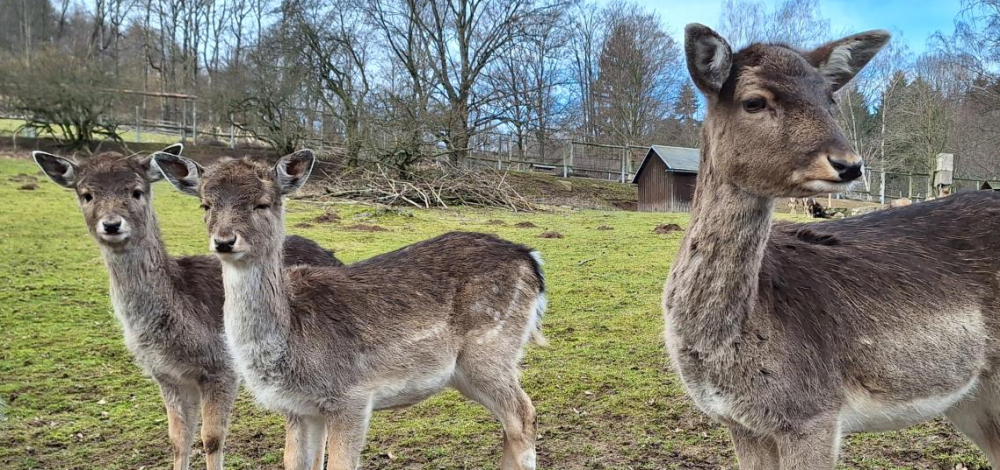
794,335
328,346
170,309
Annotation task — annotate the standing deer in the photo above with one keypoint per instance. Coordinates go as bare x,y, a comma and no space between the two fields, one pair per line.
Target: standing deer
795,335
170,308
327,346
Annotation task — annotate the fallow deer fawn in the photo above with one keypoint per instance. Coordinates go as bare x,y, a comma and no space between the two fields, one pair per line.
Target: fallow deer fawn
170,308
794,335
329,345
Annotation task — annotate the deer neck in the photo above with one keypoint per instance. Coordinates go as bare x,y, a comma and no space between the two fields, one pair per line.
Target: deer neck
141,287
713,284
257,312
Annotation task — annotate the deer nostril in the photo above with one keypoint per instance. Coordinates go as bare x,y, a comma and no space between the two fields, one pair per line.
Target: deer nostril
846,170
224,245
112,227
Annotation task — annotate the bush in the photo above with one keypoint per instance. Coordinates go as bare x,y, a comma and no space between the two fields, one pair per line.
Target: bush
60,95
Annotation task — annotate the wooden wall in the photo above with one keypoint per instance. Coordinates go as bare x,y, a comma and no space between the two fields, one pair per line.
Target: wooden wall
660,191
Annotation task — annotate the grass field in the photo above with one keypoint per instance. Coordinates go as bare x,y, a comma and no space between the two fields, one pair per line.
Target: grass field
605,393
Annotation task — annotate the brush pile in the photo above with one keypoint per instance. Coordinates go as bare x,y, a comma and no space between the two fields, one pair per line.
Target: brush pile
426,186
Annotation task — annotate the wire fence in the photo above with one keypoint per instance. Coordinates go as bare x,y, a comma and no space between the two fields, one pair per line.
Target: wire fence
168,118
884,187
560,155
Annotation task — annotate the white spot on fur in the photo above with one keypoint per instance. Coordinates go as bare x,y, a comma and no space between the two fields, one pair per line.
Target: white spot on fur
864,413
528,459
408,392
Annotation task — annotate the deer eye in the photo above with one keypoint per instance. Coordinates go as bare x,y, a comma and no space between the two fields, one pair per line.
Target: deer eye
137,194
755,104
205,206
260,207
87,197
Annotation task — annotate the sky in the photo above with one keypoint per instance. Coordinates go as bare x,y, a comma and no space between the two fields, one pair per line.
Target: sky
915,19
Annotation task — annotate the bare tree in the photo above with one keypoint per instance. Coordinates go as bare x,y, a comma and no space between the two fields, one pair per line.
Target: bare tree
331,41
464,38
528,80
638,78
797,22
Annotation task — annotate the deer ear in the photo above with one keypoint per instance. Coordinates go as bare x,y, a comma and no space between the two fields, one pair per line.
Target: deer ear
174,149
839,61
292,171
709,57
60,170
183,174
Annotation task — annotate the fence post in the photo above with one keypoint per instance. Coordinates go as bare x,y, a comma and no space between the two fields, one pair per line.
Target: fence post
194,122
232,132
882,188
624,149
565,166
138,130
184,121
909,191
510,151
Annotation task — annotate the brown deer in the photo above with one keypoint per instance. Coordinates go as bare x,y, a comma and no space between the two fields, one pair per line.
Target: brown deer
327,346
170,308
794,335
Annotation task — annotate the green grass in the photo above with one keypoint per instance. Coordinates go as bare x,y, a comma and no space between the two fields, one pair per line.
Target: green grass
605,394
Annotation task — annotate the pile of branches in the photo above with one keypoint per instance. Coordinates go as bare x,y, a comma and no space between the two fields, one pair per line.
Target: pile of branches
425,186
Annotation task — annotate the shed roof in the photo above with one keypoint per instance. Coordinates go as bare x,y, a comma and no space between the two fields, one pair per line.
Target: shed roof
676,159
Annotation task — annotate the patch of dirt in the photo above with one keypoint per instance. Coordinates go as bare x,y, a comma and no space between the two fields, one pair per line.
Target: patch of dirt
605,228
328,217
367,228
495,222
525,225
626,205
664,229
28,187
23,178
582,193
303,225
550,235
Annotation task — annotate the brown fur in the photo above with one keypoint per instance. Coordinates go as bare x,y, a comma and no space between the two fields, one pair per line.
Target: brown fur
170,308
795,334
327,346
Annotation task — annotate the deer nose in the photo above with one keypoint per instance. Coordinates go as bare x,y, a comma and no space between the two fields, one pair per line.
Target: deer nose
224,245
112,228
848,169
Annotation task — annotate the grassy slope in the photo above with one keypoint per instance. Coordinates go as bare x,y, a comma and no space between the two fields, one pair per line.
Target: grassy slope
605,394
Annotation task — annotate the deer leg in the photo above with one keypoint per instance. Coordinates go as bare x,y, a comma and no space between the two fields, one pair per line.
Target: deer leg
500,392
978,417
752,451
320,459
182,419
346,431
303,440
217,399
814,447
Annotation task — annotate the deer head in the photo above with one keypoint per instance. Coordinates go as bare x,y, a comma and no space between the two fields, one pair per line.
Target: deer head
770,128
242,199
113,192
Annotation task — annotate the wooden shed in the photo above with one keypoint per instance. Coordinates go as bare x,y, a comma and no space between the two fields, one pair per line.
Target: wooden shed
990,186
666,179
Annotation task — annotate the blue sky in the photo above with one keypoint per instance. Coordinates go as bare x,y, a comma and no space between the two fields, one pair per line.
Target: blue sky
915,19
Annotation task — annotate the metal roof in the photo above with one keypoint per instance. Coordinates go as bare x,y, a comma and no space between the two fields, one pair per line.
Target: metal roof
676,159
